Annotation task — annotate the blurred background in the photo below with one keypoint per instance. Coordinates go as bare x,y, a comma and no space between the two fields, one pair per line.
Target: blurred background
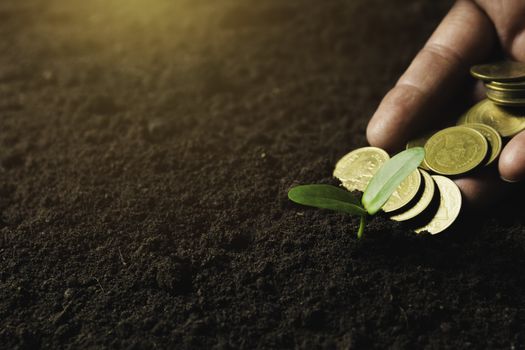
123,103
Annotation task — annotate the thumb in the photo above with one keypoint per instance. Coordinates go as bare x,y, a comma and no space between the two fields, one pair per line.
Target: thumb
512,159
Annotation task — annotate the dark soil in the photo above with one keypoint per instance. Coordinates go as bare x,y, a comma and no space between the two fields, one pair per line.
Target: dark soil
146,148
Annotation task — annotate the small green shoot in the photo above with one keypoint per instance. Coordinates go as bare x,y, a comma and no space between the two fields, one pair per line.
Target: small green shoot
389,177
377,193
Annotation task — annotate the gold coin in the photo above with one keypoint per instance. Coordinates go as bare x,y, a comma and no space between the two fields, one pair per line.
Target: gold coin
492,137
509,103
449,206
422,203
356,168
505,121
506,94
406,191
506,99
499,71
510,86
420,142
455,150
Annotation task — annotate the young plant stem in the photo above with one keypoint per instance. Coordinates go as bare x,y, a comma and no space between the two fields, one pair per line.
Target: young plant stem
362,223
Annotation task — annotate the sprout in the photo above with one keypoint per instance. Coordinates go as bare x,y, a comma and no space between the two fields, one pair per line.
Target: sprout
379,189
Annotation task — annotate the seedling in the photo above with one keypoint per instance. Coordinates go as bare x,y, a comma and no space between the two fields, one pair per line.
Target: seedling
379,189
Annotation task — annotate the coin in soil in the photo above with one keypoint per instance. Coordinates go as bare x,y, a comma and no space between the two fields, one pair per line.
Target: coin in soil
449,206
405,192
493,138
356,168
455,150
420,142
507,122
503,71
423,201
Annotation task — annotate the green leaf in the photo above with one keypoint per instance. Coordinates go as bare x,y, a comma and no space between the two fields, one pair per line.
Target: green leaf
326,197
389,176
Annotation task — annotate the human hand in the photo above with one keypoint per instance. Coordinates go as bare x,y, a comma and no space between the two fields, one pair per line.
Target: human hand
472,32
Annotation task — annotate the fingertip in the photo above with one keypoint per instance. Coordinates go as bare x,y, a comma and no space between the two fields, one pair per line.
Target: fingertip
511,163
379,133
393,122
375,133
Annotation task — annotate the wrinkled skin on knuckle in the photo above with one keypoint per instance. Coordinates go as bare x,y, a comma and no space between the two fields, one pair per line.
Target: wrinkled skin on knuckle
507,17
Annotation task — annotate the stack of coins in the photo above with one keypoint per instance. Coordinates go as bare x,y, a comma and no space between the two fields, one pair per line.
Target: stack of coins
505,82
476,140
428,198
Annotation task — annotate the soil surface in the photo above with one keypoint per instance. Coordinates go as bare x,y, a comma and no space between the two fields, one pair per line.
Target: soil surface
146,148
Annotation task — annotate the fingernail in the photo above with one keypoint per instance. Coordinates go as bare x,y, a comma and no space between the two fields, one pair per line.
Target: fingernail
508,180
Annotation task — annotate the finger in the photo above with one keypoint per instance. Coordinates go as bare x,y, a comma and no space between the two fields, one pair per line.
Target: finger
512,159
507,17
482,188
479,92
464,37
517,49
